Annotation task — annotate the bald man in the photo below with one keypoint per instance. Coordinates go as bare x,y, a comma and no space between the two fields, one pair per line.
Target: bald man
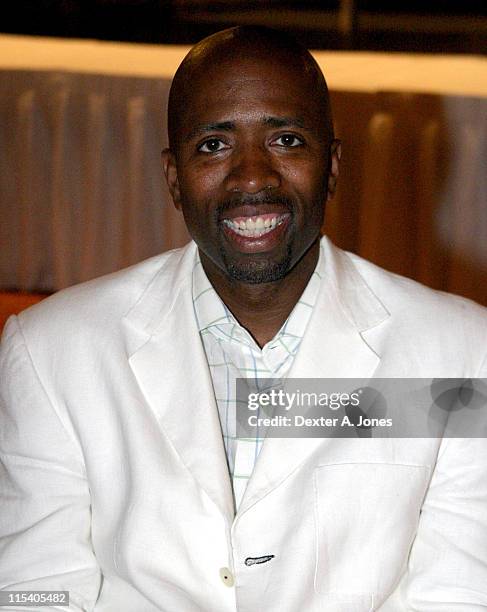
125,478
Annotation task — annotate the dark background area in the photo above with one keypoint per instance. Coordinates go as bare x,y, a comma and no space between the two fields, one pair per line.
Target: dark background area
444,26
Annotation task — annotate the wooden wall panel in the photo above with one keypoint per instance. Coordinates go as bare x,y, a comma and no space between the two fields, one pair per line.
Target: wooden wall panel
413,187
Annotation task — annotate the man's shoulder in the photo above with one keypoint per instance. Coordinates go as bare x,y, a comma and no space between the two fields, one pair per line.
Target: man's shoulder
431,326
396,295
101,303
400,294
409,322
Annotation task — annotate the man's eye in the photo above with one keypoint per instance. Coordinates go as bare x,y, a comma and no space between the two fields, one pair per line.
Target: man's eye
288,140
212,146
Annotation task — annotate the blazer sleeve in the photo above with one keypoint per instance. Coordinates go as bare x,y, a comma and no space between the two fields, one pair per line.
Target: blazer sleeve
447,566
45,515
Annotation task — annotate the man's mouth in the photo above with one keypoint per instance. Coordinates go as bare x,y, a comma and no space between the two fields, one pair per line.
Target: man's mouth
257,226
249,232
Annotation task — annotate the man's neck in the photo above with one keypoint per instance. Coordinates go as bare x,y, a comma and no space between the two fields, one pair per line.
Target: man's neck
262,308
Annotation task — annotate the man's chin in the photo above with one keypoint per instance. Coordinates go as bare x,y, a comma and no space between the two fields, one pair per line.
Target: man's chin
257,272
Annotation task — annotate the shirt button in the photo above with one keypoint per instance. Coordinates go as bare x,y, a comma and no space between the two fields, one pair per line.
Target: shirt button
227,577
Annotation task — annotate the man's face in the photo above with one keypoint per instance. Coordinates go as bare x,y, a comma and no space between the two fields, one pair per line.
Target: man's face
251,167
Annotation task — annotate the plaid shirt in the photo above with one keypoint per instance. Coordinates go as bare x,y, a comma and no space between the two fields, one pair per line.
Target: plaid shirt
232,353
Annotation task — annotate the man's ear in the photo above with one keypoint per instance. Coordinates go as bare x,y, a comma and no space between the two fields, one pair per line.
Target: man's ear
171,174
335,156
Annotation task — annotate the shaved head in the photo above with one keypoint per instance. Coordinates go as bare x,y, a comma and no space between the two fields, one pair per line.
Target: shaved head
235,46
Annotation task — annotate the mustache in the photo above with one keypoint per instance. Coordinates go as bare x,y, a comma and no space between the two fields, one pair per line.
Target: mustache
257,199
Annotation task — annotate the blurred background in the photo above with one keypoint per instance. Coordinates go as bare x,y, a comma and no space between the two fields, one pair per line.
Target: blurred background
426,26
83,90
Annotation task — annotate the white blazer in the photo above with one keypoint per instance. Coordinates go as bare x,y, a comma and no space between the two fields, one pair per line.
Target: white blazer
114,483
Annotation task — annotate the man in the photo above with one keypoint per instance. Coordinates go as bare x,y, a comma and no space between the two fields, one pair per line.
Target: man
123,480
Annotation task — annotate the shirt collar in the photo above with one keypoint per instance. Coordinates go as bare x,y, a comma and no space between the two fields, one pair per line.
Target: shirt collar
212,315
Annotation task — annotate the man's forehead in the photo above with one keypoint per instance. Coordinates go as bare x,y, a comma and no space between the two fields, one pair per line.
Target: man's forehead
251,69
228,76
235,109
236,85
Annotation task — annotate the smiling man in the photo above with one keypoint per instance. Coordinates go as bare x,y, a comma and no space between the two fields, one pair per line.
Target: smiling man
123,478
252,156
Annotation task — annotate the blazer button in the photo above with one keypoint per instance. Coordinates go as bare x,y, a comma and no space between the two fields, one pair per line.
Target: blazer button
227,577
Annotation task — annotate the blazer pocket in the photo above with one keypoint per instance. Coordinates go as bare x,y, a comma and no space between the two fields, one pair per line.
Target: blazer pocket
366,519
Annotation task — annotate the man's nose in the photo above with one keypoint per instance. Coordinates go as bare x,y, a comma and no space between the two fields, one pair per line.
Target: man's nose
252,171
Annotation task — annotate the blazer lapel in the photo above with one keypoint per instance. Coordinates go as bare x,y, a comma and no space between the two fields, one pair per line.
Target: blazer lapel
169,363
336,345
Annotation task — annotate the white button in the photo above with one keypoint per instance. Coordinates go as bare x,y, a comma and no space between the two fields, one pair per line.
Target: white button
226,576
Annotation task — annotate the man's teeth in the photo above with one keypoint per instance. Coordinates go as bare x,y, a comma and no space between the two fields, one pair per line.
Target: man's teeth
254,227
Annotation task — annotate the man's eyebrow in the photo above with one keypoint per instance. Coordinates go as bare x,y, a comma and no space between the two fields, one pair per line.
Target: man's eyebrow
223,126
278,122
228,126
